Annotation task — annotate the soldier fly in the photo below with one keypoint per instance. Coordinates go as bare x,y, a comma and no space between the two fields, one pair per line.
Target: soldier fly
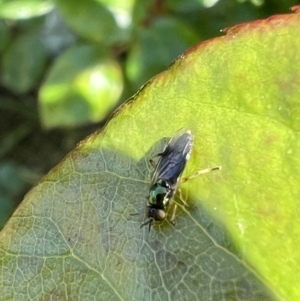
167,176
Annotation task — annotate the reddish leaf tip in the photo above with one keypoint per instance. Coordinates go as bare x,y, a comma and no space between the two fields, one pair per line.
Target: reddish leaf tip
272,19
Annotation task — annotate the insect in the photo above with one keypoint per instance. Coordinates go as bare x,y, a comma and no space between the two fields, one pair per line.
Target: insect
168,175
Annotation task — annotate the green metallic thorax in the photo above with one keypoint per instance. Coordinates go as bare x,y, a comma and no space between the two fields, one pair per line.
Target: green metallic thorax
160,194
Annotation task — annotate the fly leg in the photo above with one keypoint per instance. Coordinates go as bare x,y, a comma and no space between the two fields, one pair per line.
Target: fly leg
198,173
154,165
172,220
182,198
161,154
174,205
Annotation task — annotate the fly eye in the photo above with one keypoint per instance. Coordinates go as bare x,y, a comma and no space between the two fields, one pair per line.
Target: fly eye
159,215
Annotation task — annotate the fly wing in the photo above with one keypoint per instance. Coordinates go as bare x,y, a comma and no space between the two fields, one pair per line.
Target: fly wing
174,157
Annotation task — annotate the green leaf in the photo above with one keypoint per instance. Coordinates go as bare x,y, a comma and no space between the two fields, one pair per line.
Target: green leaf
23,63
24,9
90,19
83,86
4,36
73,236
121,10
156,47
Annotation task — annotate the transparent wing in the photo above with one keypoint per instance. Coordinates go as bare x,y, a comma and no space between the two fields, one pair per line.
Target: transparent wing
173,159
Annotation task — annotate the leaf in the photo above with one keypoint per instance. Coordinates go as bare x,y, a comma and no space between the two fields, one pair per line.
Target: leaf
23,63
24,9
73,236
4,36
83,86
90,19
165,39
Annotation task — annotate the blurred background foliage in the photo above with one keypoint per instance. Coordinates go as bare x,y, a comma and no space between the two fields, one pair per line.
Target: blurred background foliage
65,65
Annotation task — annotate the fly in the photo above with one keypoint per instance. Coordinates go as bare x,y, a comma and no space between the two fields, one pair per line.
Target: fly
168,175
